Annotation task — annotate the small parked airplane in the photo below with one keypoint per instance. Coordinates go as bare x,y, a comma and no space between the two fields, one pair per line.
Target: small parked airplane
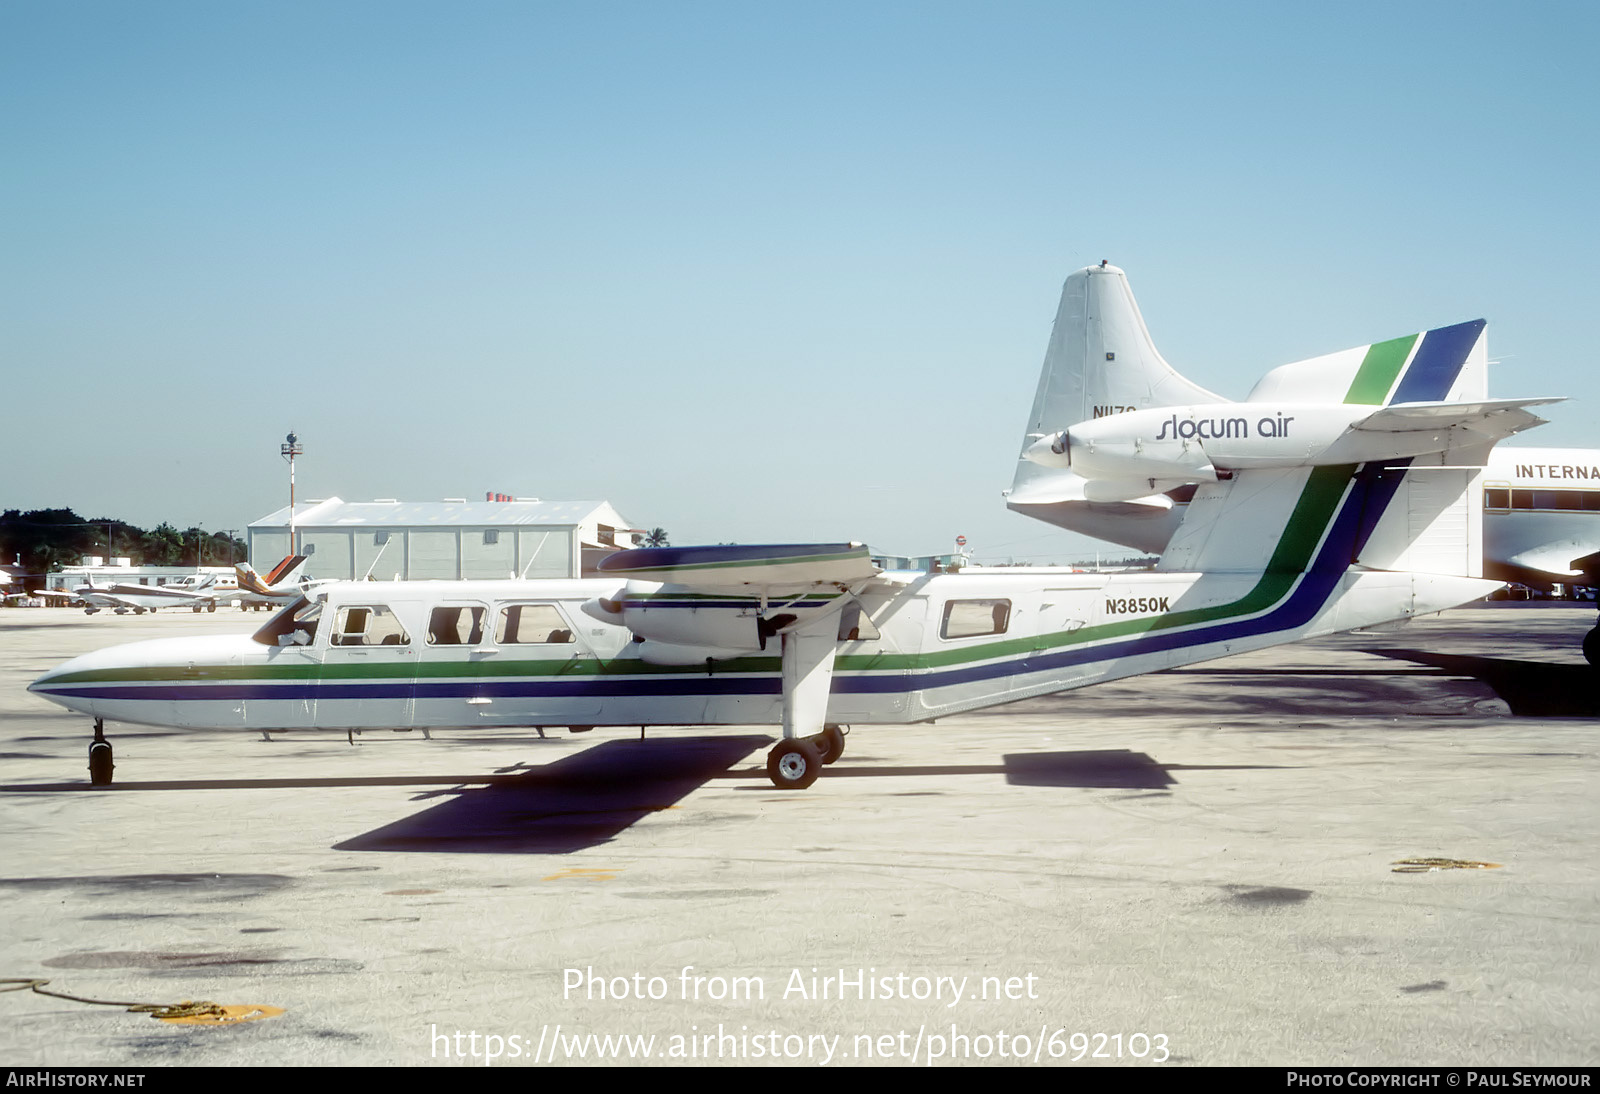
813,637
1146,438
198,592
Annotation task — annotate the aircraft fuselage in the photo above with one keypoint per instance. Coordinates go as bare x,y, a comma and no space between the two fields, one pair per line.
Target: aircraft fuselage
525,653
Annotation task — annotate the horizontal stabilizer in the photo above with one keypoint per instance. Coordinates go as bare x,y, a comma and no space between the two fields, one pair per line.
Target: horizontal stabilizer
1497,418
770,566
1070,486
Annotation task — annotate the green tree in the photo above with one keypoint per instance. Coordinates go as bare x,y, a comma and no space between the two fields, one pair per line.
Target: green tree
161,546
44,539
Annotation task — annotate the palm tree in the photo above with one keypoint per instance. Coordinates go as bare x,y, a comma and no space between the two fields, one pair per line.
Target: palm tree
656,537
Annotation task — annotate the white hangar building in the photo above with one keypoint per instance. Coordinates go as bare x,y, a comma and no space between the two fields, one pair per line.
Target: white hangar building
453,539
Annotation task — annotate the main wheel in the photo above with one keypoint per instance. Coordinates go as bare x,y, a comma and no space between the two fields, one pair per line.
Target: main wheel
794,764
100,765
830,744
1591,647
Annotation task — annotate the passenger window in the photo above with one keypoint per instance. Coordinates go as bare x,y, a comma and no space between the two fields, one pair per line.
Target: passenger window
456,625
369,625
971,618
531,624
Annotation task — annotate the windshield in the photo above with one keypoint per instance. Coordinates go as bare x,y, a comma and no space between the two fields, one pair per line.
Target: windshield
295,625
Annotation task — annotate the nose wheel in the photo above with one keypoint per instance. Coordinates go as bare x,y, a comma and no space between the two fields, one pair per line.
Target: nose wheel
100,760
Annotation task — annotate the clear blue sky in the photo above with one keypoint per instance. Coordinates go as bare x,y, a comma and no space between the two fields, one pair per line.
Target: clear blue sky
752,272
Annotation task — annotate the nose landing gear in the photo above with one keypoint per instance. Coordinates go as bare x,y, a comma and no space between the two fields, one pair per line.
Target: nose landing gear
100,761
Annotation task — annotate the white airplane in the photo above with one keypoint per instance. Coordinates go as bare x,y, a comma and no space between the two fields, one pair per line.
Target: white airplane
1145,437
1541,518
198,592
282,584
815,637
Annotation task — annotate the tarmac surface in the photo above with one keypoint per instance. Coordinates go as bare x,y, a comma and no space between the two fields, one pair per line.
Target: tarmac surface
1197,867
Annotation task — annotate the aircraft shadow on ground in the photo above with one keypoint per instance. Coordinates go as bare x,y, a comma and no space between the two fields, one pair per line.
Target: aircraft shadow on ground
574,803
1530,688
1112,767
595,796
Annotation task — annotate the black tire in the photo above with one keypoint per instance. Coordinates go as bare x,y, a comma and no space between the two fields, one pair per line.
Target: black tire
794,764
1591,647
830,744
100,764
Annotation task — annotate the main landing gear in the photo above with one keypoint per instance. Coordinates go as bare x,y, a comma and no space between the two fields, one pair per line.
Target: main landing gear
100,765
795,763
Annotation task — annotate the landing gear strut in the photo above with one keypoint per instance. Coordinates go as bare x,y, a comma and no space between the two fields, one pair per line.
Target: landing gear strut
100,765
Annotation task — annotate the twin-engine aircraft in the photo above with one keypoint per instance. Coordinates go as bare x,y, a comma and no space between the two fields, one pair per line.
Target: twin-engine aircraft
814,637
1118,443
198,592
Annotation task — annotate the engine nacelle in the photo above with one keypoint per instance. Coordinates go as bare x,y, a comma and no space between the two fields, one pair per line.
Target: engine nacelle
1124,446
726,622
1194,443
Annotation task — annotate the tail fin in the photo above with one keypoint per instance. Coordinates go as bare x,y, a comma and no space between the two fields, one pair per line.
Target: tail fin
287,568
253,582
1421,514
1100,361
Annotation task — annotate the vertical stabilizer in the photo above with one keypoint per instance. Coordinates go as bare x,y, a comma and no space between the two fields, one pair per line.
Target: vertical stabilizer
1421,514
1100,361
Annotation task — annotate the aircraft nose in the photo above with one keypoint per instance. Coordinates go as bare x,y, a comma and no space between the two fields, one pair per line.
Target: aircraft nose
44,684
63,684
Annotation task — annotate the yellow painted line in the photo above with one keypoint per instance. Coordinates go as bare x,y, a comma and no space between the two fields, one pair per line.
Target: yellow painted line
586,873
1429,865
232,1015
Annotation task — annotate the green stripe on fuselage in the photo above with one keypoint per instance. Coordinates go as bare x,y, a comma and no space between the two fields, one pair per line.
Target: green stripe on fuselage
1302,534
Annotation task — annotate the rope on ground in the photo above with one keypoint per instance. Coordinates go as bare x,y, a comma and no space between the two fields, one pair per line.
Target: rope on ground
189,1008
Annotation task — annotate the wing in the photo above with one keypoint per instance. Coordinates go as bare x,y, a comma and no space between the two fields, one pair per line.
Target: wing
733,566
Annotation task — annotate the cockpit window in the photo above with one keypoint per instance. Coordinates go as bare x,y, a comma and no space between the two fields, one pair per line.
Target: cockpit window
368,625
295,625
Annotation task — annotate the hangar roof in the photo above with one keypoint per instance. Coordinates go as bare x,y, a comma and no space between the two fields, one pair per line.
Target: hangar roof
335,512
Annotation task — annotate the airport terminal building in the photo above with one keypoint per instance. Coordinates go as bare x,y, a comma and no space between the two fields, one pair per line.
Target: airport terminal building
453,539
